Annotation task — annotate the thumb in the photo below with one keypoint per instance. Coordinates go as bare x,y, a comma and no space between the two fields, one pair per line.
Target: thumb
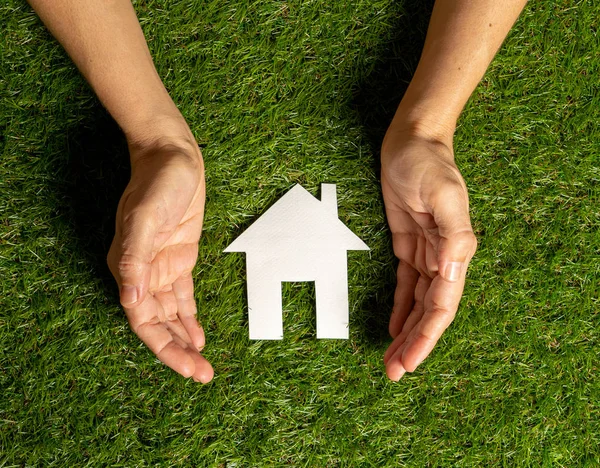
138,234
457,243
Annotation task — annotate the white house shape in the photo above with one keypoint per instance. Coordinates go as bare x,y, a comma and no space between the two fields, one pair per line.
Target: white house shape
298,239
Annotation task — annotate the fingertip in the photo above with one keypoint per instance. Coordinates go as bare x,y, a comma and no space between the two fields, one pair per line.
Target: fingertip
411,360
395,370
195,331
207,375
203,371
204,375
455,251
411,367
187,368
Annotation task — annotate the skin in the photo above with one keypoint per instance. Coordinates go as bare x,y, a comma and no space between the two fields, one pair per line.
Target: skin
159,218
425,196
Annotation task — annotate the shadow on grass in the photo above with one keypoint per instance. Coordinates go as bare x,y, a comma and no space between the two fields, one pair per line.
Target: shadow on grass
96,173
375,101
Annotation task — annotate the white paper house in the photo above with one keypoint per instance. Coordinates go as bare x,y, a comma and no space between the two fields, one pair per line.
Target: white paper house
298,239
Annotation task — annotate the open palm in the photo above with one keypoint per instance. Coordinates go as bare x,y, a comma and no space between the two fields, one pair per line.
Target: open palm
155,248
427,210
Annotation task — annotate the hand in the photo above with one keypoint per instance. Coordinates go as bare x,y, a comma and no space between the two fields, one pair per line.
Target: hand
159,221
427,209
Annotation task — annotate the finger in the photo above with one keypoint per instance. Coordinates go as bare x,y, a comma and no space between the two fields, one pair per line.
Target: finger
441,304
406,278
423,284
179,342
183,289
144,322
395,370
414,317
203,371
159,339
393,361
431,258
170,263
393,356
393,348
450,208
430,229
177,328
138,232
168,302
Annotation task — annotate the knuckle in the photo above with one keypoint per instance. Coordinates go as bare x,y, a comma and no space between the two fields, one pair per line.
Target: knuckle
186,297
470,244
450,189
450,207
474,244
171,316
443,312
421,336
130,264
469,239
466,241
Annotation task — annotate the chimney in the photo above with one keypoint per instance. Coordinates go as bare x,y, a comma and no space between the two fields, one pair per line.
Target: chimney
329,198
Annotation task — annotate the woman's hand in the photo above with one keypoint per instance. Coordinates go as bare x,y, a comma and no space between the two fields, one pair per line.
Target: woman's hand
158,226
427,209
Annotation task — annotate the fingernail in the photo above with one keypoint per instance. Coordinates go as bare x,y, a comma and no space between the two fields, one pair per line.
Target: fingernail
201,341
453,271
129,295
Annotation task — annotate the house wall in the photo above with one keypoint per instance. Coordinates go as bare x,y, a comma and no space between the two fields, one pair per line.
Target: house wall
300,263
266,273
265,316
331,290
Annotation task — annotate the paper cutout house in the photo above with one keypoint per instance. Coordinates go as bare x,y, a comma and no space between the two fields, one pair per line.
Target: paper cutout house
298,239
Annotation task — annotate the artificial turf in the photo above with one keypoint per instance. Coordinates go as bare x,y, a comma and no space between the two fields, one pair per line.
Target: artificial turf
284,92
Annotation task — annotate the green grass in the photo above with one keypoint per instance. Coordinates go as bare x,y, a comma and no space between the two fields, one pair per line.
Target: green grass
278,93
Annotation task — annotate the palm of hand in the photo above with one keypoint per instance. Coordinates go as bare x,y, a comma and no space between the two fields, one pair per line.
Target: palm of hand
427,210
159,221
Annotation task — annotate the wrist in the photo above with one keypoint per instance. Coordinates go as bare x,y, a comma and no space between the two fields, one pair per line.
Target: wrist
414,133
425,121
413,127
159,134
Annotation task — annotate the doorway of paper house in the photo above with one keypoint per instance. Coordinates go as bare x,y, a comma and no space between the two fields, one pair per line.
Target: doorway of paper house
299,310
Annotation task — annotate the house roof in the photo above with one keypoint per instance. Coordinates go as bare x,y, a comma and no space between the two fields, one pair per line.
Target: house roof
299,220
